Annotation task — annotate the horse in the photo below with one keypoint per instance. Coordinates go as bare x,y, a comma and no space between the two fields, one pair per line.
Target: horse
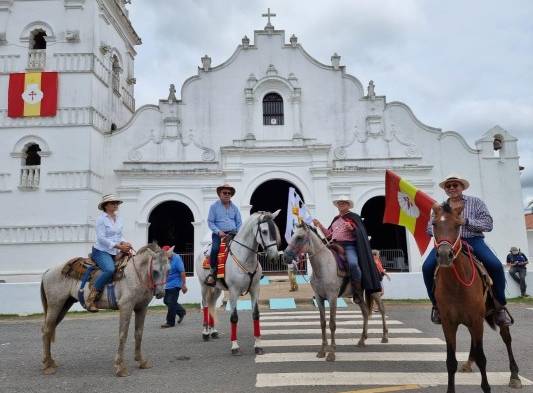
144,277
461,297
327,285
242,275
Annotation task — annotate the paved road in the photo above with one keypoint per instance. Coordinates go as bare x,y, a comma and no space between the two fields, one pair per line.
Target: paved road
183,363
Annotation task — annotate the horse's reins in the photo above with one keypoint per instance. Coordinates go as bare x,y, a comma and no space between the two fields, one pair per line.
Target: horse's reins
265,247
150,284
459,245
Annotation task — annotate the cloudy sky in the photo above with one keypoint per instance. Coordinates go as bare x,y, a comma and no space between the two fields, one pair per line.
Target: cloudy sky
460,65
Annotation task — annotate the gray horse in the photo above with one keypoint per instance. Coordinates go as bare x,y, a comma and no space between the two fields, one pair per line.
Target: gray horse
144,277
327,285
242,275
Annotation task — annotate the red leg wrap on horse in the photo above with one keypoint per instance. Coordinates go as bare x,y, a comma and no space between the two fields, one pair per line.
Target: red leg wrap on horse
211,321
206,316
257,329
233,331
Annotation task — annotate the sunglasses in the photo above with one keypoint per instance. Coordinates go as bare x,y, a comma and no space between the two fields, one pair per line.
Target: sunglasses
226,193
452,185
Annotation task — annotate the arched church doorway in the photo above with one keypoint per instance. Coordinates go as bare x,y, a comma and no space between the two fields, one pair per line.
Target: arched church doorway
171,224
271,196
387,238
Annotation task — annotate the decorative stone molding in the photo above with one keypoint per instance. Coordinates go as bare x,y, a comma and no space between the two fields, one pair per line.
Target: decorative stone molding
74,180
127,99
38,25
74,4
172,93
371,92
3,39
74,62
335,61
131,80
206,63
271,70
19,148
294,41
104,48
30,177
25,234
72,36
8,63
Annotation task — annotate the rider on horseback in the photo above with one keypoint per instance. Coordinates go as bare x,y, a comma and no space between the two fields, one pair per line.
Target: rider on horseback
109,241
347,229
476,220
224,219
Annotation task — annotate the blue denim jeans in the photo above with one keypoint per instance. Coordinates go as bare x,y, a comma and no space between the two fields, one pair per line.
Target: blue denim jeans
171,300
485,256
353,262
106,263
215,247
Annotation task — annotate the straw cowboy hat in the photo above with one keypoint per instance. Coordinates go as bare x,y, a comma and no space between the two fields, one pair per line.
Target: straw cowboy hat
454,177
108,198
343,198
227,187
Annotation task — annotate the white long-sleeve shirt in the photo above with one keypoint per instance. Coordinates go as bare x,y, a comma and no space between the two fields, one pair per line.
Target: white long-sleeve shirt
108,233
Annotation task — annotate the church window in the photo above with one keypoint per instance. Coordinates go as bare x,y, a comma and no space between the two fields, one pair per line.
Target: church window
115,77
30,172
272,110
37,50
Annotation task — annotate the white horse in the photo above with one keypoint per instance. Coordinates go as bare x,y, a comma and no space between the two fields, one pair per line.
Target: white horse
144,277
327,285
242,275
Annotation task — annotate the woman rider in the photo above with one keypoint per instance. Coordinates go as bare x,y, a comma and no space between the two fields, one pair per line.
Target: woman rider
476,219
109,241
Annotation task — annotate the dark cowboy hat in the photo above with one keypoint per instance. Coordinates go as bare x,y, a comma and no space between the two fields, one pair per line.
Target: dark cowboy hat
225,186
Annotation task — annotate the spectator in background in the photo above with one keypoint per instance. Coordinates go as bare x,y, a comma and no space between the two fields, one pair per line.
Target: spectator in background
381,270
517,261
176,281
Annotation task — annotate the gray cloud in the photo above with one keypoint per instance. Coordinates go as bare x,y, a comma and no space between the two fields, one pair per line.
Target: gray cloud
463,66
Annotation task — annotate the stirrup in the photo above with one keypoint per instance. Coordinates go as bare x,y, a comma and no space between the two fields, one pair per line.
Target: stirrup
435,316
210,284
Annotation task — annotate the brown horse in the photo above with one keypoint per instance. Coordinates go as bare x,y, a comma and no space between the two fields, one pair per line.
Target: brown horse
461,298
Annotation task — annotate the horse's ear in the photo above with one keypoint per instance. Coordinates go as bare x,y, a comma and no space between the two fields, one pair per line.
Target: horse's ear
437,208
275,214
458,210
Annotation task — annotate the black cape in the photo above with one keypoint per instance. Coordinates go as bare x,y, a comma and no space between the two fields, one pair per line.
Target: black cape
369,273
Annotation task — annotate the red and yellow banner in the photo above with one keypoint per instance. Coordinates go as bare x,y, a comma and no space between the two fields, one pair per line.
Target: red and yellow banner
407,206
32,94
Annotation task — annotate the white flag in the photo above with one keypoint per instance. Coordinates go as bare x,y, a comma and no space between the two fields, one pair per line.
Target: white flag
295,207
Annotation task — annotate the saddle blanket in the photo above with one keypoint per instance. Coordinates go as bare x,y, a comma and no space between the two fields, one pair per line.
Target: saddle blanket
221,259
76,268
342,264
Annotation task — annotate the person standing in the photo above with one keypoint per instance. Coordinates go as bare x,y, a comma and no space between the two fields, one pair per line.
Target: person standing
517,262
475,220
347,230
176,282
109,241
224,219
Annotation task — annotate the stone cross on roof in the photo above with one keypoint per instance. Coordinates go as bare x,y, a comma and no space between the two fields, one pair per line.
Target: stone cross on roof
268,15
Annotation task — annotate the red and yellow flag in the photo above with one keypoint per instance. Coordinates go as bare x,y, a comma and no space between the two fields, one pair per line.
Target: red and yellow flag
407,206
32,94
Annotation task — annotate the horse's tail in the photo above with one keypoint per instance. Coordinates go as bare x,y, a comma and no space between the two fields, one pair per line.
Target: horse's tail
369,299
44,301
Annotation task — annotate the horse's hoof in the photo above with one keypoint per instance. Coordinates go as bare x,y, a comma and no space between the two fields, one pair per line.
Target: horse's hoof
361,344
259,351
215,335
236,352
205,337
515,383
145,364
330,357
49,370
384,340
121,371
466,368
321,354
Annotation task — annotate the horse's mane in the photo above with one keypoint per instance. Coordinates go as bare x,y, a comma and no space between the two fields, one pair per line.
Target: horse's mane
150,246
446,207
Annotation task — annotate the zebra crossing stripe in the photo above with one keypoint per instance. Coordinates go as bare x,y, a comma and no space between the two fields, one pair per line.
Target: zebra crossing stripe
315,317
386,389
271,332
359,357
315,323
315,312
299,342
378,378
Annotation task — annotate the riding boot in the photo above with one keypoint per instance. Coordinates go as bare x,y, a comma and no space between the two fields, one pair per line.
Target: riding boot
503,318
211,279
93,297
435,316
357,291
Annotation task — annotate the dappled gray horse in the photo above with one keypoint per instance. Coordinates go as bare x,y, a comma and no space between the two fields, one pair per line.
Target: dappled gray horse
242,275
144,277
326,284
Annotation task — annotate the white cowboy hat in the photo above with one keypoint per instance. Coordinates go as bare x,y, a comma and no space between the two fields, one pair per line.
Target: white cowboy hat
454,177
227,187
108,198
343,198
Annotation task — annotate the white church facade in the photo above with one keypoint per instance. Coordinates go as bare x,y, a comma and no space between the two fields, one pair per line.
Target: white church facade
268,118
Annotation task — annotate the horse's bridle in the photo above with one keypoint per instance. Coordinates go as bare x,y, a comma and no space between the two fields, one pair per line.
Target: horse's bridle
150,283
456,246
265,246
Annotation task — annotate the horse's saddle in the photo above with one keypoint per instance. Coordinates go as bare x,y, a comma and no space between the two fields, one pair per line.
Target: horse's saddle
76,268
221,258
340,257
